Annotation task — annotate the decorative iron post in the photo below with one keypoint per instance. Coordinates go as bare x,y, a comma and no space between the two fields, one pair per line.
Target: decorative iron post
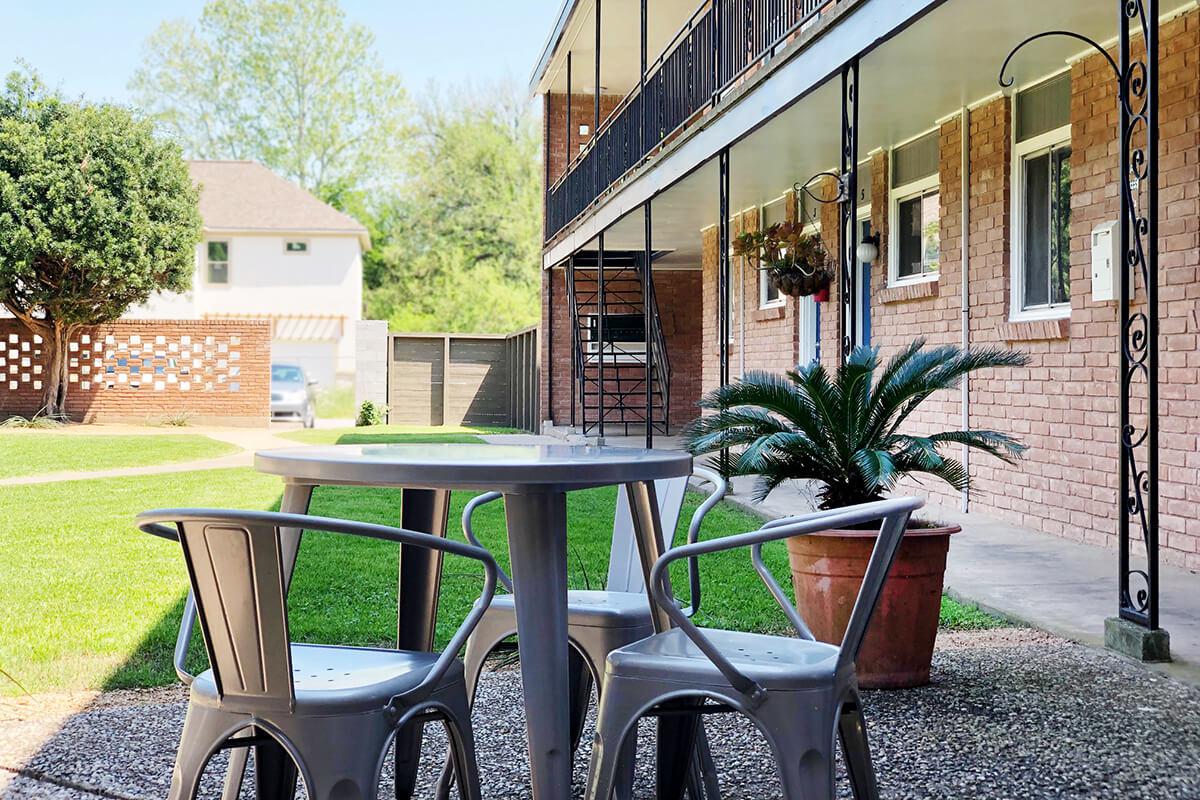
847,201
1138,406
1135,630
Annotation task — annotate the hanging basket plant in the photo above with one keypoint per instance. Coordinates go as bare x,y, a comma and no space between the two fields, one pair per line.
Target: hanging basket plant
796,263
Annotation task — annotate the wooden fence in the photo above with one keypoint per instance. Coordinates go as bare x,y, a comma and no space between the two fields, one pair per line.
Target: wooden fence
464,379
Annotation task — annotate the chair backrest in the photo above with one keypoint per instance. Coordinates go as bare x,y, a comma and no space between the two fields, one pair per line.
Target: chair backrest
624,564
236,571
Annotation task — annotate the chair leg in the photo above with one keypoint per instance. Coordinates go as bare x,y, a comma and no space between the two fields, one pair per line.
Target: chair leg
581,694
614,750
236,773
852,730
203,729
800,726
274,772
462,747
474,658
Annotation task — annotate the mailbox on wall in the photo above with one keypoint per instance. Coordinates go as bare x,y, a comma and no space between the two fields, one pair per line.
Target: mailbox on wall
1106,246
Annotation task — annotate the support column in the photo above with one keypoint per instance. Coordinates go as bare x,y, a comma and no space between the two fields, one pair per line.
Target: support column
848,199
649,309
1135,630
600,312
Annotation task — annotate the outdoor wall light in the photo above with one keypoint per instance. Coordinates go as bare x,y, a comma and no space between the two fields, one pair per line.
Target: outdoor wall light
868,249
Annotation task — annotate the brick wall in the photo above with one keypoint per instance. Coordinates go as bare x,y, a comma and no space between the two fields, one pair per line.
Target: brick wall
219,371
678,293
583,112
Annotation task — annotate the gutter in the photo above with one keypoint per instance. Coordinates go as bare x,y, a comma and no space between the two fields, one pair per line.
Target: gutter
964,262
565,12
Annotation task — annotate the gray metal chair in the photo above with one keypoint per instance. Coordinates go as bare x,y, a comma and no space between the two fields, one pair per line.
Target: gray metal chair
333,710
598,621
799,692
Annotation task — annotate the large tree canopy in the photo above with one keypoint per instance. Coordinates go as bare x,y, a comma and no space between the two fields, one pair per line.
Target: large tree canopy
457,248
288,83
96,214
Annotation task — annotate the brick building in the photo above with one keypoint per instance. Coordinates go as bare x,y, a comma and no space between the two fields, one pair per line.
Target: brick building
1015,188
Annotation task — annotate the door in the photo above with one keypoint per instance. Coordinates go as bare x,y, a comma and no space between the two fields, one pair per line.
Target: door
862,308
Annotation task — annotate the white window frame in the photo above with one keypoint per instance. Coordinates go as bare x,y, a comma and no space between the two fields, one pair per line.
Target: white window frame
228,262
1043,143
763,282
897,196
307,247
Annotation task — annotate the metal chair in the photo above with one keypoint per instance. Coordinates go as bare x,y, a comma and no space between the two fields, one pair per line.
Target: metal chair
799,692
333,710
598,621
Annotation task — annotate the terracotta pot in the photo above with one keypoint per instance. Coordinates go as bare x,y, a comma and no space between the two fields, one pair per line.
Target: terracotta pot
827,572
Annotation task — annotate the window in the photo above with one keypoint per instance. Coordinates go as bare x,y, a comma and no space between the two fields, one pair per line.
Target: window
1041,274
915,243
295,247
218,263
772,213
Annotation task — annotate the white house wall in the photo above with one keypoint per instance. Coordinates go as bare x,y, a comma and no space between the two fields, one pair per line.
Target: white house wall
264,281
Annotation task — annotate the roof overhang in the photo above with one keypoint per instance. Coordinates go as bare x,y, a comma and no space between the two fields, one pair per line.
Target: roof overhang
552,41
363,236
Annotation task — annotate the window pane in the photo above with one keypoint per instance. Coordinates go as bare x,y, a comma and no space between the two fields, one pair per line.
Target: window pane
1037,231
910,246
931,211
218,272
769,293
916,160
218,251
1060,279
1044,107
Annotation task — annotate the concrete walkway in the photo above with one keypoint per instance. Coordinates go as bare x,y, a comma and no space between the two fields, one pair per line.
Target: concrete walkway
247,439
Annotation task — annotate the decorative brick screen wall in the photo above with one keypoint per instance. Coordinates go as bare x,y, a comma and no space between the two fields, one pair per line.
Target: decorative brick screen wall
219,371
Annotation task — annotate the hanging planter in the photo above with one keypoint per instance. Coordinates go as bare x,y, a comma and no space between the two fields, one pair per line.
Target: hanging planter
796,263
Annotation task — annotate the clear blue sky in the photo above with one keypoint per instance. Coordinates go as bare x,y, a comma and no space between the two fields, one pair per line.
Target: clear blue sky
92,48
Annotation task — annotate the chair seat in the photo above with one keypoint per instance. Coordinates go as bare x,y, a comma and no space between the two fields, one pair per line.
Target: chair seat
340,680
771,661
593,609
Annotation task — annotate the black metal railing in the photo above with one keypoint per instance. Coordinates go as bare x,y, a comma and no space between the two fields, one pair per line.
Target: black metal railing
717,45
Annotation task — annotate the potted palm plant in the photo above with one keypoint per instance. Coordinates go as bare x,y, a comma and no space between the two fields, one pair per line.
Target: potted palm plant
847,433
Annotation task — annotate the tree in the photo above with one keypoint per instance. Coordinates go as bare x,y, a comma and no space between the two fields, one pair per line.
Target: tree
288,83
96,214
458,248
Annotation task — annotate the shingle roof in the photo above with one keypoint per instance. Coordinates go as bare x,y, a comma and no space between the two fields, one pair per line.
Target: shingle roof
246,196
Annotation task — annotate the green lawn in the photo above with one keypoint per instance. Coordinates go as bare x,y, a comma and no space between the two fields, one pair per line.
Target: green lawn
33,452
89,602
336,402
384,434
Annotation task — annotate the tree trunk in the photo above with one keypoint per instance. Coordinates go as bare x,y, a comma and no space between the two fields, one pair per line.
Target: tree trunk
54,398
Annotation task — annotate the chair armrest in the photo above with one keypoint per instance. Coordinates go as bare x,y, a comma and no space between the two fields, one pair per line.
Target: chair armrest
895,514
720,487
469,529
187,623
150,522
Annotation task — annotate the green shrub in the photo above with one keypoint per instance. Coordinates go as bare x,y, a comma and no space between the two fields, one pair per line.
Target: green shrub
370,413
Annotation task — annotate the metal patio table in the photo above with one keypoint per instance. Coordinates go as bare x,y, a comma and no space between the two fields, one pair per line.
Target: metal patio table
534,480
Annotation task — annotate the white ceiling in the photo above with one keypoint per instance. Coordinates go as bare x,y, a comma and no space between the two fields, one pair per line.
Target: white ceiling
949,59
620,48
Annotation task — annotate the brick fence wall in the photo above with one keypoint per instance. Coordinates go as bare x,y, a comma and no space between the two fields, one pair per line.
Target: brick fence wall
218,371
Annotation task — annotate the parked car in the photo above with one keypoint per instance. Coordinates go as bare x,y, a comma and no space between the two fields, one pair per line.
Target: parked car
293,394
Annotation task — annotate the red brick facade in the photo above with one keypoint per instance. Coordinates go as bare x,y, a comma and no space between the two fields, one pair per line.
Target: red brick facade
1064,403
131,370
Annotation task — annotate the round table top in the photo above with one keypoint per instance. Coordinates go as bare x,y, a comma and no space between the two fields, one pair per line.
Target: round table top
481,467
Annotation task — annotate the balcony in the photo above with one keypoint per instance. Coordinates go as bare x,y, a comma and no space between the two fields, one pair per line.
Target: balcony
714,50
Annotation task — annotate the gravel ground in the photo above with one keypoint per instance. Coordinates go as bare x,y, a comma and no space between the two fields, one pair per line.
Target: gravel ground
1011,713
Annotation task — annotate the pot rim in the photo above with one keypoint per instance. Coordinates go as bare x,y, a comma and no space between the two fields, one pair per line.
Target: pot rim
843,533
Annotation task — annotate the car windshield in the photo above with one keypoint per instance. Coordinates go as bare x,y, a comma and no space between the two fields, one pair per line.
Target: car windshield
282,373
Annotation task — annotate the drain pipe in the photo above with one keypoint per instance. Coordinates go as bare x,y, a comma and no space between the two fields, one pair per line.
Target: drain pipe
964,263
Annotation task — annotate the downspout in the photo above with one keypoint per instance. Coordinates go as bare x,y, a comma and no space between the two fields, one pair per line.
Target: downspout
964,260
